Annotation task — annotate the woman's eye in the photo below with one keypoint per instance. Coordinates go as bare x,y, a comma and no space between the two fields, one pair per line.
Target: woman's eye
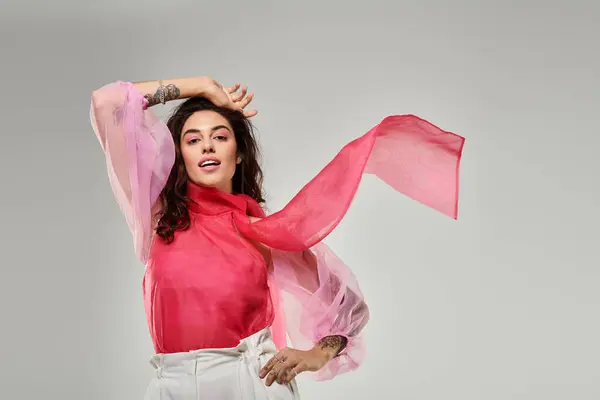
192,141
221,138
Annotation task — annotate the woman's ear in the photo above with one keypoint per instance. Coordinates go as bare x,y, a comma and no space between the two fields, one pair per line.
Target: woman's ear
239,159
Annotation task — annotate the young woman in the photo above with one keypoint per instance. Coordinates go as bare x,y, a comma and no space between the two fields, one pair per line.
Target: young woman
225,284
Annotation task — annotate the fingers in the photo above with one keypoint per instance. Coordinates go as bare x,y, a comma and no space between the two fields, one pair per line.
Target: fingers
292,372
272,369
250,113
288,372
269,365
244,103
233,89
288,375
281,373
246,100
281,369
239,101
278,369
239,96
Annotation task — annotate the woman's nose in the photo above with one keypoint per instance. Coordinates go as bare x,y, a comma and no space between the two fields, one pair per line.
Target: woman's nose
208,147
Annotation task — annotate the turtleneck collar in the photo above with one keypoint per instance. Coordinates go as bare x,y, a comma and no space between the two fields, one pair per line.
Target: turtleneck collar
213,201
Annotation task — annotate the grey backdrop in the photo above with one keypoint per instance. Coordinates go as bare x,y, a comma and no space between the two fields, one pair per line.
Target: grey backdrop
501,304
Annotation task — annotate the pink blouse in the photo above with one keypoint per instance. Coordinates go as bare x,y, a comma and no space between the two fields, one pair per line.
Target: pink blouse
211,287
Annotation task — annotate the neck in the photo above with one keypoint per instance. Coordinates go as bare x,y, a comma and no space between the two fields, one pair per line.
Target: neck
214,200
226,187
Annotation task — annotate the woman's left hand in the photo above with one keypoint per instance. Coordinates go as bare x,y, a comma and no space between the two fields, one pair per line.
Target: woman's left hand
288,363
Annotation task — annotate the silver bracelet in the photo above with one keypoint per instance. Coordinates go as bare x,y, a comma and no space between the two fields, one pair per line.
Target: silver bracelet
161,92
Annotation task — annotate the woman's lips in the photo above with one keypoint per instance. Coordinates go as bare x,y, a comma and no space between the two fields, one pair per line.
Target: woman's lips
212,164
210,168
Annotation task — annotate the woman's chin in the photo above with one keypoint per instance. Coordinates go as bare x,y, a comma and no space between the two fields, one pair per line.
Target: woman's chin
210,183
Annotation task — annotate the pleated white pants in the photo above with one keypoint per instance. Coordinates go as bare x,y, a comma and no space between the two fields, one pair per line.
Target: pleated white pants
219,374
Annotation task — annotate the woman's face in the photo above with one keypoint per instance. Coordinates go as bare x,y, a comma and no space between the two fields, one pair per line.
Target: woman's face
209,150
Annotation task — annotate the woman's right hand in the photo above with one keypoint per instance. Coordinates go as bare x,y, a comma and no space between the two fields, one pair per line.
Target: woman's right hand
227,97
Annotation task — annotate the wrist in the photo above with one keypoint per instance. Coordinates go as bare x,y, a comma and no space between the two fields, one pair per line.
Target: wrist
324,353
331,346
201,85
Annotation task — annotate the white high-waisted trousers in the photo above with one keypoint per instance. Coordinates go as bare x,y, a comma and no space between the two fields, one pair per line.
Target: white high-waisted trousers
219,374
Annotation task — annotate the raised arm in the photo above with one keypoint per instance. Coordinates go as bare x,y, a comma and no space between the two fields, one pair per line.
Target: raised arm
138,147
139,153
156,92
161,91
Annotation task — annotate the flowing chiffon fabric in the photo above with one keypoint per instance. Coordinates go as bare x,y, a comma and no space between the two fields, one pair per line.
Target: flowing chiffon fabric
314,292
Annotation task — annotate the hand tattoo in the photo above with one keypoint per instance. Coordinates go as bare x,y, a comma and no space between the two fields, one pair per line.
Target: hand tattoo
171,92
336,343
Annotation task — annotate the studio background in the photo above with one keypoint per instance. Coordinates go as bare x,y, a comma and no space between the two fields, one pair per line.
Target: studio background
501,304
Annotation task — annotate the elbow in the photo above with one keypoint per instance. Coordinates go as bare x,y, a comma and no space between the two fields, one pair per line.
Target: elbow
96,96
109,96
98,100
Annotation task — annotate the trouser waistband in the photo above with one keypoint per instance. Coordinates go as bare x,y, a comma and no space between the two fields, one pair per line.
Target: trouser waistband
195,361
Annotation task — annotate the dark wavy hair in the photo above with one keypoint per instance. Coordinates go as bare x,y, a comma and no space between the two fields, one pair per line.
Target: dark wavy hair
173,212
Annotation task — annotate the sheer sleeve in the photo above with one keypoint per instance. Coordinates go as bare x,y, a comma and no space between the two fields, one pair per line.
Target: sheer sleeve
319,293
321,297
139,152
